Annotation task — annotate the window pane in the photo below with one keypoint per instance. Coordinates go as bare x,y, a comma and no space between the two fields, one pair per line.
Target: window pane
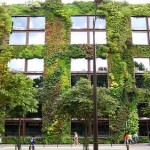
101,64
79,22
139,38
17,38
76,78
16,64
100,37
36,38
19,23
79,64
142,64
139,80
35,64
34,76
99,24
37,23
101,80
78,37
138,23
149,22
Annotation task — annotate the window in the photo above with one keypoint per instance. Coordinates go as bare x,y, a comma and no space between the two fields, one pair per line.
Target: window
82,30
27,31
26,65
86,65
140,30
83,68
142,64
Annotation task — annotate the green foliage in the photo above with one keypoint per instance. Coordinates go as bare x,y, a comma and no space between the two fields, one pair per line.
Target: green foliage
5,24
146,80
22,100
55,9
77,101
29,51
119,51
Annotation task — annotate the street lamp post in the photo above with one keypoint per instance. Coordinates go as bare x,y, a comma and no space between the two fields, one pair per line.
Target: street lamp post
95,118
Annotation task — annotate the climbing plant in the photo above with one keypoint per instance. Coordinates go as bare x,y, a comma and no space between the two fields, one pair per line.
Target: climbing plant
57,53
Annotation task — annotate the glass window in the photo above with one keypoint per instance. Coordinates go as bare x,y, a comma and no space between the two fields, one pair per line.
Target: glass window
37,23
100,23
78,37
27,31
102,80
79,22
79,64
149,22
16,65
82,30
142,64
35,64
101,64
17,38
139,38
100,37
140,30
138,23
76,78
19,23
36,38
34,76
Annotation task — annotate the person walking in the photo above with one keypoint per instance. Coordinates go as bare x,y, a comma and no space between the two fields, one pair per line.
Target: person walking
32,144
130,140
135,138
126,138
76,140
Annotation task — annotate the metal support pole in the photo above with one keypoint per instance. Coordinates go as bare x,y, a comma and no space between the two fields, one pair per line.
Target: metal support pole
95,123
95,117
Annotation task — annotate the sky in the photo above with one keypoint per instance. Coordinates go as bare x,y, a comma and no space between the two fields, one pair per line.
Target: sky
70,1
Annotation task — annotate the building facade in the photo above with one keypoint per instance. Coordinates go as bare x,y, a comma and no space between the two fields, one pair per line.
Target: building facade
52,44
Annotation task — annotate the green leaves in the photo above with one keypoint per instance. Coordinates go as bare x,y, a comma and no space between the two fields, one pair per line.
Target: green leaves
21,95
77,102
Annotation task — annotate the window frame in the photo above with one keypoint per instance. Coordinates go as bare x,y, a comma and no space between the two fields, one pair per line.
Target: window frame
88,30
88,74
146,30
27,30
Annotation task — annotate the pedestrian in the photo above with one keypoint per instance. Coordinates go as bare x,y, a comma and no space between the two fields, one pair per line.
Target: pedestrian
0,139
130,140
76,140
126,138
32,143
135,138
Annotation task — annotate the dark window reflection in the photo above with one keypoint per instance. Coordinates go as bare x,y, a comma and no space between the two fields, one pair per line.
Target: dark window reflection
140,107
139,80
103,128
75,78
78,127
33,129
102,80
143,131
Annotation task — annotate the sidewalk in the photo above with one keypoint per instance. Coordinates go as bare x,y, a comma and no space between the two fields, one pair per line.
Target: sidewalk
79,147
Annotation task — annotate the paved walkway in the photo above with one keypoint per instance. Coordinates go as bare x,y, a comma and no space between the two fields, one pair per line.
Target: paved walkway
79,147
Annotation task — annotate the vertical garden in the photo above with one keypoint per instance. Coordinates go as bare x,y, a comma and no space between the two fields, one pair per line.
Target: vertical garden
57,53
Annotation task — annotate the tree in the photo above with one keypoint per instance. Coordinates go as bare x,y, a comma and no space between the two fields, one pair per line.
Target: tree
77,102
21,97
